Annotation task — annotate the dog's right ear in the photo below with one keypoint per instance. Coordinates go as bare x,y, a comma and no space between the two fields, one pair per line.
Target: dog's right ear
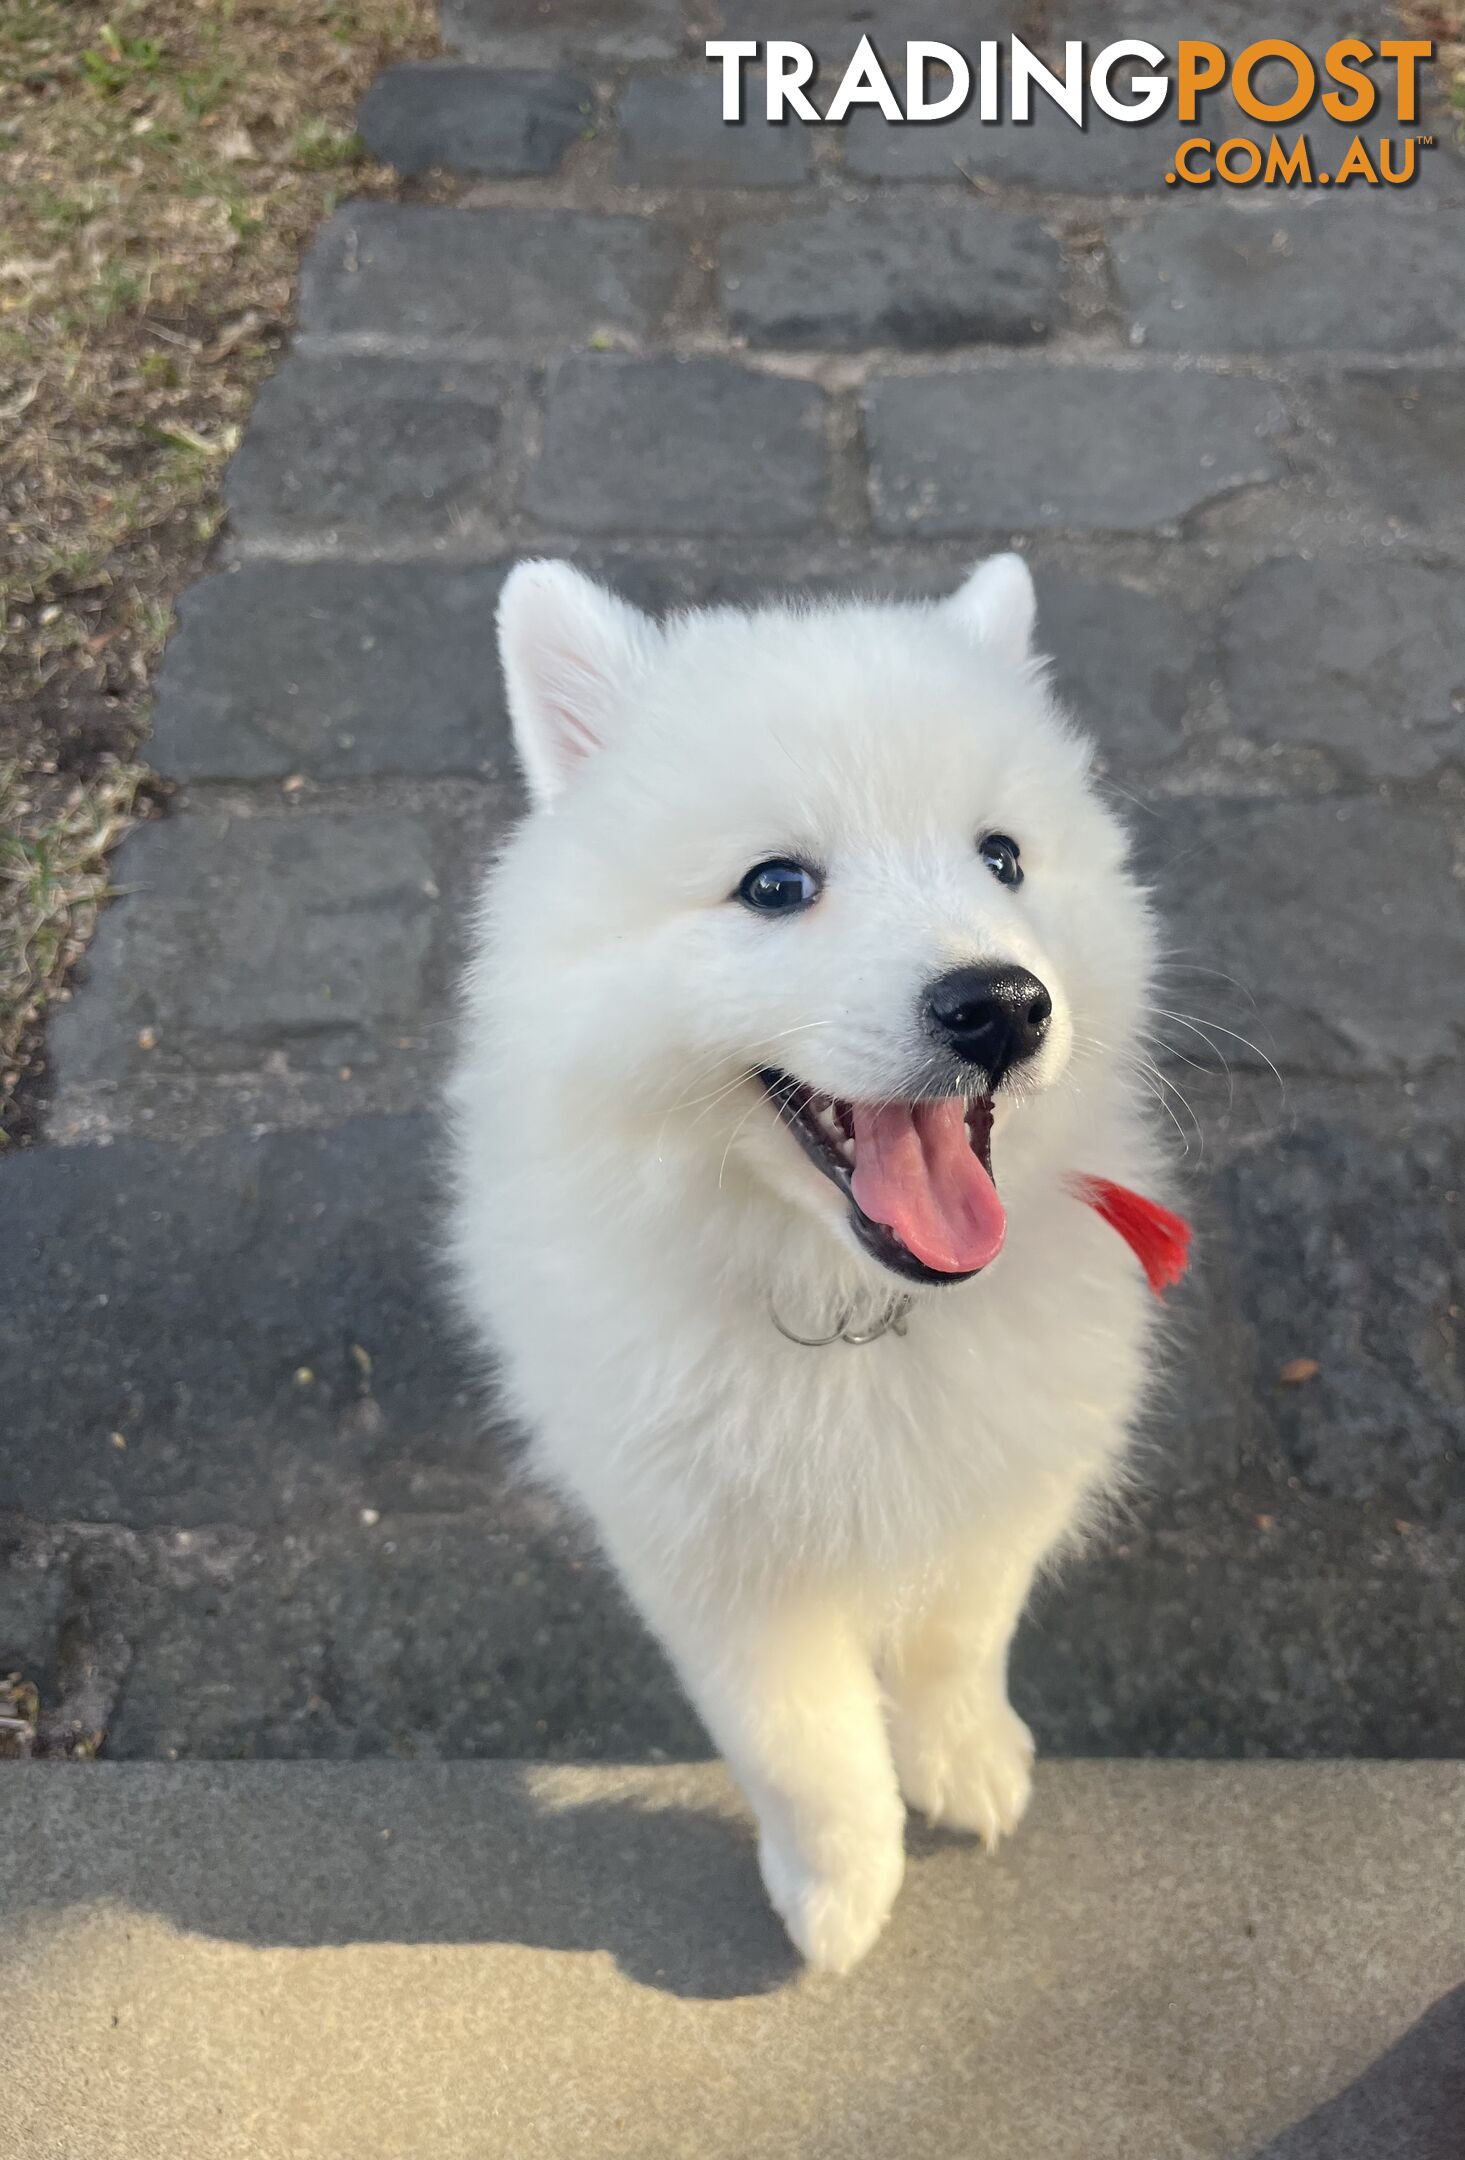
571,652
998,606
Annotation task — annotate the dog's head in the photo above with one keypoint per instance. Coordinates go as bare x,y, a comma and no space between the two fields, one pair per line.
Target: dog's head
825,893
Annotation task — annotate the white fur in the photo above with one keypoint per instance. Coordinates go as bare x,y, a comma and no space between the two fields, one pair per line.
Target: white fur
834,1545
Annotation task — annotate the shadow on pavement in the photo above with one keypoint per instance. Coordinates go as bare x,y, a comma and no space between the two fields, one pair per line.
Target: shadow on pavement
1409,2105
670,1891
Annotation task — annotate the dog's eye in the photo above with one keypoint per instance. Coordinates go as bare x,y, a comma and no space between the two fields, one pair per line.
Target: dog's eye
1001,857
779,888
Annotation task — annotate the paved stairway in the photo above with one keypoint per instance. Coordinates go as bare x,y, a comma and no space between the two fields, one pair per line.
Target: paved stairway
252,1503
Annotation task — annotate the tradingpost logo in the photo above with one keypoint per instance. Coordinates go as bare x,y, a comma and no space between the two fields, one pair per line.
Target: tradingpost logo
1274,82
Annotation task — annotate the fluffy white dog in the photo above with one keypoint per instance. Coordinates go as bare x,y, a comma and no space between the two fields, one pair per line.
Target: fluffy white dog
802,996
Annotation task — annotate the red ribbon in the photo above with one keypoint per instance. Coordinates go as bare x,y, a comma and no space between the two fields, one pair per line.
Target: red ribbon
1159,1240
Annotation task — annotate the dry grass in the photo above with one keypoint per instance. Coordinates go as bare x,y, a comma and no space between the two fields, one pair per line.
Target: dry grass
161,164
53,872
20,1712
1444,22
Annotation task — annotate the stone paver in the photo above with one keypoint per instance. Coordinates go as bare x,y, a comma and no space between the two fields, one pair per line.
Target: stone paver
1053,154
316,937
652,349
374,447
991,451
1126,663
1341,922
833,28
1332,1230
334,671
438,1958
1276,1643
420,271
486,1632
1273,277
672,135
864,274
677,446
1399,438
33,1595
248,1313
1370,669
474,120
1048,152
363,1608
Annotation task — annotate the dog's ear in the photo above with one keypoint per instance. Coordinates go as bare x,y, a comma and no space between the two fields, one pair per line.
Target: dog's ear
998,606
570,651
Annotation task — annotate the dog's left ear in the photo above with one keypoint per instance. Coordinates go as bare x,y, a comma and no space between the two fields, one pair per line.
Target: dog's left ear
571,653
998,606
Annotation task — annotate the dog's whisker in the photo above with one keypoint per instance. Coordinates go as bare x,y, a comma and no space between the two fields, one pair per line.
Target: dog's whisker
1192,967
1172,1050
741,1078
1158,1095
1147,1041
734,1082
1112,787
1200,1027
783,1116
1156,1083
726,1087
1147,1071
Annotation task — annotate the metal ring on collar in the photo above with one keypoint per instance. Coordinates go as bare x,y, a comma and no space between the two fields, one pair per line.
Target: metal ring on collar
893,1323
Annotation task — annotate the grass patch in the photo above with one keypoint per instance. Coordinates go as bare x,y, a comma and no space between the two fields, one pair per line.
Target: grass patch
162,163
53,876
1443,21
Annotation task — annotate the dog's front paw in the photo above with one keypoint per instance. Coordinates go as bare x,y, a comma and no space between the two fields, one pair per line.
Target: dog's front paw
969,1769
833,1910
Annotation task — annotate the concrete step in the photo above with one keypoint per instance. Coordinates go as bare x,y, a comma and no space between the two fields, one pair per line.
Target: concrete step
449,1961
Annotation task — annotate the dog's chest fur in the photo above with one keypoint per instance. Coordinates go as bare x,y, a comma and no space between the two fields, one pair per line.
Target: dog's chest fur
657,1386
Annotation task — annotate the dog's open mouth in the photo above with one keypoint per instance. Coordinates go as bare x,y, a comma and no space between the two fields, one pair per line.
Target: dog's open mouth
917,1175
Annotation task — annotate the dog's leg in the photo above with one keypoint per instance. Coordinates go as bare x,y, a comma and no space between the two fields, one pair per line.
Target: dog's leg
963,1755
791,1699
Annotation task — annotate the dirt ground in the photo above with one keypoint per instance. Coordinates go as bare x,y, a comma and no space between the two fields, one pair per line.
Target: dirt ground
162,163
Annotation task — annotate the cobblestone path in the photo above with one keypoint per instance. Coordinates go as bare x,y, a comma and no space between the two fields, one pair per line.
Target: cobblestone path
251,1507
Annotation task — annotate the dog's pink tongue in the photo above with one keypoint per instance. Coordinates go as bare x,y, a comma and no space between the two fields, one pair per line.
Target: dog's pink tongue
916,1172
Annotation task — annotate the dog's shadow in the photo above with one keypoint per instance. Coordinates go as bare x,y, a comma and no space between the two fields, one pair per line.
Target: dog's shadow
446,1853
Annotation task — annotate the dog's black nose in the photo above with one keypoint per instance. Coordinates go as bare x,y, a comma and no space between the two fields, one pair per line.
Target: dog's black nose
990,1016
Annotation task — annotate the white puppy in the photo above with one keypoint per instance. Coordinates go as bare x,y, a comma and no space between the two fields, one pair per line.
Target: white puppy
816,928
